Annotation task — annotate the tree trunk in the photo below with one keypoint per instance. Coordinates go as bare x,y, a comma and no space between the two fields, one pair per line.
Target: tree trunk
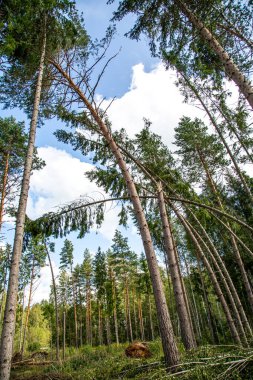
22,321
64,335
234,243
208,307
213,121
225,284
100,325
234,298
213,278
3,295
81,316
88,315
114,308
150,318
128,314
141,319
230,67
233,129
170,349
11,301
108,330
182,310
55,305
74,306
135,316
245,279
28,309
4,184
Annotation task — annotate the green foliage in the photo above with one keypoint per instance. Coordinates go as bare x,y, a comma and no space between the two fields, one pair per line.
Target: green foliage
107,363
25,25
38,333
66,260
34,346
172,36
13,148
201,152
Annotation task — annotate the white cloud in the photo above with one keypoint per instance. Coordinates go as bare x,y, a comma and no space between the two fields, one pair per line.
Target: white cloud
62,180
152,95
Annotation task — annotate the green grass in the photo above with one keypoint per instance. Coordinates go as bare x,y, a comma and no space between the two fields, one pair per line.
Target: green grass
110,363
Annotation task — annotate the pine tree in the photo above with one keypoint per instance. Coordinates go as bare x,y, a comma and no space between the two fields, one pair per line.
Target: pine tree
66,262
187,34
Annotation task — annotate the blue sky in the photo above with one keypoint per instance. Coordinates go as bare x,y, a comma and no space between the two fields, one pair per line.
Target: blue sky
142,88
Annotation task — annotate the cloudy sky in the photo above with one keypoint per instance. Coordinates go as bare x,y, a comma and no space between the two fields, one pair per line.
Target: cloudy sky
143,88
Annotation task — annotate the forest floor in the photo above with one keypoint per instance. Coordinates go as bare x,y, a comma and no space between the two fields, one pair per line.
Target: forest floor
111,363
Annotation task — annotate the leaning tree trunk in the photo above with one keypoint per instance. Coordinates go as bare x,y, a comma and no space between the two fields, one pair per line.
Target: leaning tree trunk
232,293
213,278
234,130
179,294
245,279
216,127
170,349
4,184
11,301
238,258
231,69
225,284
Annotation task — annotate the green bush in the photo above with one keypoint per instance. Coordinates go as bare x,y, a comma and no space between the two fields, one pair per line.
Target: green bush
34,346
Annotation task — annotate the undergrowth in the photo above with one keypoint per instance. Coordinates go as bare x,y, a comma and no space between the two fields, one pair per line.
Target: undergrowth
110,363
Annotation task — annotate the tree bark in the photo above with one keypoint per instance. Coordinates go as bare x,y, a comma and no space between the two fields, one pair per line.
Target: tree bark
28,309
230,67
227,282
213,278
233,241
4,184
135,316
225,279
245,279
100,325
3,295
88,315
180,298
216,127
170,349
22,321
128,313
11,301
55,305
74,305
108,330
114,307
141,319
150,318
64,335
